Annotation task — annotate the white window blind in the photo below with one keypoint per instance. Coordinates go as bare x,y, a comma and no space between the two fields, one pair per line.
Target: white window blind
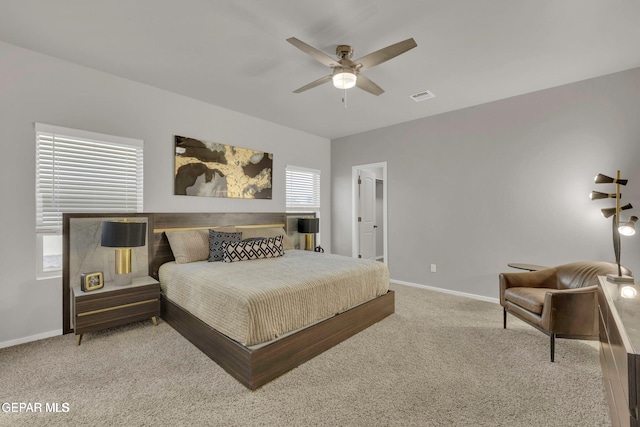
303,189
79,171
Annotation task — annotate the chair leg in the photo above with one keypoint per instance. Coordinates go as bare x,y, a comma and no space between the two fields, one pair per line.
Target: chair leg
553,346
504,318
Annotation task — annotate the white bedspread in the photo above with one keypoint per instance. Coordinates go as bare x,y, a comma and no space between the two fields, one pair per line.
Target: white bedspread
259,300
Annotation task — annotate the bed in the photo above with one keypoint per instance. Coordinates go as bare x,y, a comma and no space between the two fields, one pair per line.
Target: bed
322,303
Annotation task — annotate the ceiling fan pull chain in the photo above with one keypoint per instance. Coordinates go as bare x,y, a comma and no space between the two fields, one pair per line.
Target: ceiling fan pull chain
344,99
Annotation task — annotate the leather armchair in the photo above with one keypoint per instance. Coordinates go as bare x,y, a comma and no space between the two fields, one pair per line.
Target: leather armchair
561,301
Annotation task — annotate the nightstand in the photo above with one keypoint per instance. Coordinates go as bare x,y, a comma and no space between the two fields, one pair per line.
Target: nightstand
115,305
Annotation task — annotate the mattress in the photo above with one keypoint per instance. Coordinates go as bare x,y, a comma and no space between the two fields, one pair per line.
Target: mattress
260,300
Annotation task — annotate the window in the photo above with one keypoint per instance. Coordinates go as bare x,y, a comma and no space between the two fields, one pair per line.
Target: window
303,189
79,171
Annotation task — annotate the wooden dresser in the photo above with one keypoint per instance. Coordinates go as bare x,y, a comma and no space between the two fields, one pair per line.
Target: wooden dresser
619,345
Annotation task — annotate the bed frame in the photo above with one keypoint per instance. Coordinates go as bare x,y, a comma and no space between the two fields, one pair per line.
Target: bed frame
255,367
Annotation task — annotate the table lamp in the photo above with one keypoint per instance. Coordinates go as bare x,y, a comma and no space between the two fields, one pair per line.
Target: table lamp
309,227
123,235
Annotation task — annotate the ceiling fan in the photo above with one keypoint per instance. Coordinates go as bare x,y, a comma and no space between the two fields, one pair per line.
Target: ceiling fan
346,73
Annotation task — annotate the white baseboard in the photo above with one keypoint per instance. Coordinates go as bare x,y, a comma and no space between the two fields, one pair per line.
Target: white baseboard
446,291
23,340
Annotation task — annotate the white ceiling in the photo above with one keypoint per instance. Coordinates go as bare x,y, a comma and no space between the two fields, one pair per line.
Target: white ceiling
234,53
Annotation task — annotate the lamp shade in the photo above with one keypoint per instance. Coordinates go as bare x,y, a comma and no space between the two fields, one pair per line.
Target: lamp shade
308,225
604,179
628,292
123,234
628,228
595,195
607,212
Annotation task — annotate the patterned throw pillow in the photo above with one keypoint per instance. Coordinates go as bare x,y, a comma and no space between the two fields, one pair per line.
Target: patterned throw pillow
253,249
248,233
216,239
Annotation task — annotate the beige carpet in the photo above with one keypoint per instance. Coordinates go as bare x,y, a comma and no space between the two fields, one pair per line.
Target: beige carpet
441,360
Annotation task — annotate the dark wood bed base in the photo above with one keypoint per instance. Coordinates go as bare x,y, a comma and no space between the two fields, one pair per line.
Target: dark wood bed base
254,368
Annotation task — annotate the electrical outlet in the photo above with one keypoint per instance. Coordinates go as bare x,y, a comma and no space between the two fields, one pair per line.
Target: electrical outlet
433,268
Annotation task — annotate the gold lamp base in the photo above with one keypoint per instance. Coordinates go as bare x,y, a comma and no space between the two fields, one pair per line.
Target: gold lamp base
123,260
123,267
308,242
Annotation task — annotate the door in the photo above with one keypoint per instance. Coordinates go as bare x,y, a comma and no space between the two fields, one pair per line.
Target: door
367,214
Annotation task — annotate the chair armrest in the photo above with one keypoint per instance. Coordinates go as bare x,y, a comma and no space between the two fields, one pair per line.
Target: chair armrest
533,279
571,311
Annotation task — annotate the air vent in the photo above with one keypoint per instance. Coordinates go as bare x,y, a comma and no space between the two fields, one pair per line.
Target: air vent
421,96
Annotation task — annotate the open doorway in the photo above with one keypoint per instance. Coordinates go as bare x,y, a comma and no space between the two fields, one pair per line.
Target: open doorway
369,208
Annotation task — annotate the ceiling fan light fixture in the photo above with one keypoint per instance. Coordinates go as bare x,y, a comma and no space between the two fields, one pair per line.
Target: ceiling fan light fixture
344,80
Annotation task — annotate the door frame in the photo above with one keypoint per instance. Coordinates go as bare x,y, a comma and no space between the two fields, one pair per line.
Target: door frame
355,237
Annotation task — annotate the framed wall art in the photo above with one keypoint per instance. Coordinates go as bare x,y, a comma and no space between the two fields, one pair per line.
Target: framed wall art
210,169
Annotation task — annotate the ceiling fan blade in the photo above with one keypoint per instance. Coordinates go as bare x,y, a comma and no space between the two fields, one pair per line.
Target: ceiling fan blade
311,85
366,84
385,54
313,52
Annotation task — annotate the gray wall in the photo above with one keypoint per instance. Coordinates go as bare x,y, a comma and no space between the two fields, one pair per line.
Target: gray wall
38,88
507,181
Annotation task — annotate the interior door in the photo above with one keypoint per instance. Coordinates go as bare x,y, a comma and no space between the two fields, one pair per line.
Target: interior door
367,214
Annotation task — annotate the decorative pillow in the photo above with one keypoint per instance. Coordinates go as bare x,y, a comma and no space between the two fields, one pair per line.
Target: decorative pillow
216,238
189,245
248,233
253,249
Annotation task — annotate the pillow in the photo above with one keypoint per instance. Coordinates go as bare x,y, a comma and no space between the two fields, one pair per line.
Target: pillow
248,233
216,238
253,249
191,245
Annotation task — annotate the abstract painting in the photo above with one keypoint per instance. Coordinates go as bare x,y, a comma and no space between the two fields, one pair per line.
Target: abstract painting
210,169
